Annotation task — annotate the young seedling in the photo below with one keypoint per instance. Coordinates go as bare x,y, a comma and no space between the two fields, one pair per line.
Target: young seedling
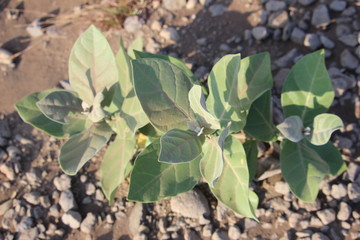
190,136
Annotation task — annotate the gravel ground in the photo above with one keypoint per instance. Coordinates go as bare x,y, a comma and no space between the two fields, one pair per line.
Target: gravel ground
38,201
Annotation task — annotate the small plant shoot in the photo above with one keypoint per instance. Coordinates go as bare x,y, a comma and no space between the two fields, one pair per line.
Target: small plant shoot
192,132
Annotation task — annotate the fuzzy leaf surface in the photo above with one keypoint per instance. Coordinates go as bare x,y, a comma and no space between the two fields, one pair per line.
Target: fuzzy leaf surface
259,123
307,90
92,65
303,169
162,89
212,162
292,128
232,187
82,147
179,146
30,113
58,105
116,165
323,126
152,180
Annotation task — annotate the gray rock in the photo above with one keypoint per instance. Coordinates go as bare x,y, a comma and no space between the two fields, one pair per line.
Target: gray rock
5,58
202,72
219,235
320,17
312,41
354,192
224,47
350,40
174,4
338,191
280,77
260,33
217,9
191,4
170,34
274,6
37,212
135,218
353,171
341,81
67,201
88,223
250,223
349,12
207,230
192,204
287,59
205,2
306,2
344,211
32,197
342,29
201,41
327,42
279,204
319,236
62,183
348,60
278,19
32,176
282,187
132,24
234,232
34,29
338,6
191,235
54,211
25,225
72,219
326,216
297,36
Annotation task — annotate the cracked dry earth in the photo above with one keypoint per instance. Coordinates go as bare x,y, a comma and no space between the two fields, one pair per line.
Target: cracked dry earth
37,201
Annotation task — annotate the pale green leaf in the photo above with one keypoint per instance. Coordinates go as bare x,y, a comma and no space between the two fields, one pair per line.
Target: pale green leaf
307,90
152,180
259,123
254,79
198,105
303,169
323,126
116,164
92,65
82,147
58,105
223,101
212,162
31,114
292,128
179,146
125,74
251,151
136,45
162,89
97,113
232,187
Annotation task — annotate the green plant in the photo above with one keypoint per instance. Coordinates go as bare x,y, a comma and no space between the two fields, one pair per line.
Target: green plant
191,136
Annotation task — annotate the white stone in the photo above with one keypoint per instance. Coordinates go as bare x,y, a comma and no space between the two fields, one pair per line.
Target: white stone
88,223
234,232
282,187
132,24
67,200
260,33
326,216
5,57
72,219
62,183
344,211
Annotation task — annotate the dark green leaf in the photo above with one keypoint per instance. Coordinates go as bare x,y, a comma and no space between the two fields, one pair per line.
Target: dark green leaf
251,151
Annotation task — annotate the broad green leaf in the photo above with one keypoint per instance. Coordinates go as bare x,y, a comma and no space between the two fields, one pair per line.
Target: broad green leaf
292,128
223,101
82,147
125,74
323,126
331,155
152,180
136,45
179,146
150,131
179,63
307,90
31,114
58,105
254,79
232,187
92,65
303,169
251,151
198,105
259,123
162,89
128,113
116,164
212,162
